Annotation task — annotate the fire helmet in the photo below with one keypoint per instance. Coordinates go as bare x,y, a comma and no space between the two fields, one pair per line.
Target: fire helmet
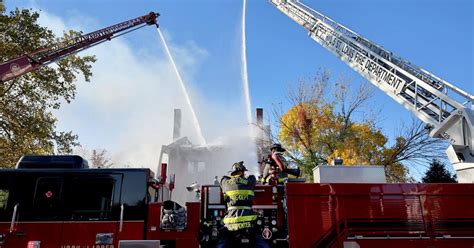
238,167
277,147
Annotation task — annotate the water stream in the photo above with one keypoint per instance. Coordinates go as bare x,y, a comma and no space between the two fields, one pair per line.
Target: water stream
201,140
245,80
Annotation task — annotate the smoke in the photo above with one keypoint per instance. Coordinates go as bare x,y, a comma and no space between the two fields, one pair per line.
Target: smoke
127,108
195,120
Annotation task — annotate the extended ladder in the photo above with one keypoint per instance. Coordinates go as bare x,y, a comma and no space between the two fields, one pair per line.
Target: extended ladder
446,109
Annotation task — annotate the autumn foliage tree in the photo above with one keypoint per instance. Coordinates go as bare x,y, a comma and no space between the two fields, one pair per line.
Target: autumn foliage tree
27,125
321,126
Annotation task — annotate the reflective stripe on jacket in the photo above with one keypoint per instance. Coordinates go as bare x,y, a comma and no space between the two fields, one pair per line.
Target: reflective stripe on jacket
238,195
280,180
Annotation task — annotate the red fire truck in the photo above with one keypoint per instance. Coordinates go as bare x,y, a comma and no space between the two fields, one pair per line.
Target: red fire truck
355,215
56,201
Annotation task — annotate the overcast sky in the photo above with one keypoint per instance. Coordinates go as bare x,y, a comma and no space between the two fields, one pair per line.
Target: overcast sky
127,108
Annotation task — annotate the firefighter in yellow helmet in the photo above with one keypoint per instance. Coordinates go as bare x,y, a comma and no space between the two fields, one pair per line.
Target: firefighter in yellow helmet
239,220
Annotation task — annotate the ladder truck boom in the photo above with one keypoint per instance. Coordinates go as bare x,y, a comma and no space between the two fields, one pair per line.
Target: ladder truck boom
16,67
447,110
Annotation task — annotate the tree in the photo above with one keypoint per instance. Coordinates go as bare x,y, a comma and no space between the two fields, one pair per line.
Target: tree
99,159
413,146
321,126
437,173
27,125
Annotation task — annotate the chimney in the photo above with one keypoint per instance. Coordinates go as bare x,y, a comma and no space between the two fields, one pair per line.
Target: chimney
260,117
177,124
259,138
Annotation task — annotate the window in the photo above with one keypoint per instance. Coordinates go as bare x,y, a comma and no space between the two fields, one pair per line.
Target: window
4,198
5,212
92,198
47,199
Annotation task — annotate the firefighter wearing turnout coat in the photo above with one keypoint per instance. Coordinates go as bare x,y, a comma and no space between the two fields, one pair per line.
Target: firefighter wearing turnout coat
275,167
240,219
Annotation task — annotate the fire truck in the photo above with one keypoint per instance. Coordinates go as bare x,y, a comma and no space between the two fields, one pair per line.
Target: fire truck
57,201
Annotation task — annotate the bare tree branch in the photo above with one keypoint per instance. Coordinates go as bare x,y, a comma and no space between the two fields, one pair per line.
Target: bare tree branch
415,147
99,159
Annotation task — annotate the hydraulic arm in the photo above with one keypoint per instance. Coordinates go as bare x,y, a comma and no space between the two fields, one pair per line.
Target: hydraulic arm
16,67
446,109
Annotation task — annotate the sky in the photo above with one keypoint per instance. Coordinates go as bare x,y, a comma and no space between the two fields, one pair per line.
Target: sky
127,107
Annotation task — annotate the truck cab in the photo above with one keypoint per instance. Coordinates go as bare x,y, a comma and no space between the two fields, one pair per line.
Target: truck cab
50,201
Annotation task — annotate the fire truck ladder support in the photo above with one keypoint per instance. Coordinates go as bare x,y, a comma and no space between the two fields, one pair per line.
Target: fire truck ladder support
447,110
16,67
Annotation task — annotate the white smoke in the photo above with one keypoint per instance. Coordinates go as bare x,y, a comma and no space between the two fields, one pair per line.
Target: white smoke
184,92
127,108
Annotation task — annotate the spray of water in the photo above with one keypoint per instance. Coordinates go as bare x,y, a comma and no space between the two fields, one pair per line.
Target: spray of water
201,141
245,83
245,80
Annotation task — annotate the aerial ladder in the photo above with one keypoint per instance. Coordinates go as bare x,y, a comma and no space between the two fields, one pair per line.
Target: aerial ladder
23,64
447,110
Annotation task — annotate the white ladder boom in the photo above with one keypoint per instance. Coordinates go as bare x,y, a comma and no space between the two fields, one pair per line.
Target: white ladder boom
446,109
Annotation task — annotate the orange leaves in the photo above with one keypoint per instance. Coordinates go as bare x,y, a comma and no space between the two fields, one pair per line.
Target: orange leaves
320,126
319,129
304,124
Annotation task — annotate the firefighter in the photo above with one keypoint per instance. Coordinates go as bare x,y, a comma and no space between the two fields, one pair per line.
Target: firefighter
276,167
239,220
